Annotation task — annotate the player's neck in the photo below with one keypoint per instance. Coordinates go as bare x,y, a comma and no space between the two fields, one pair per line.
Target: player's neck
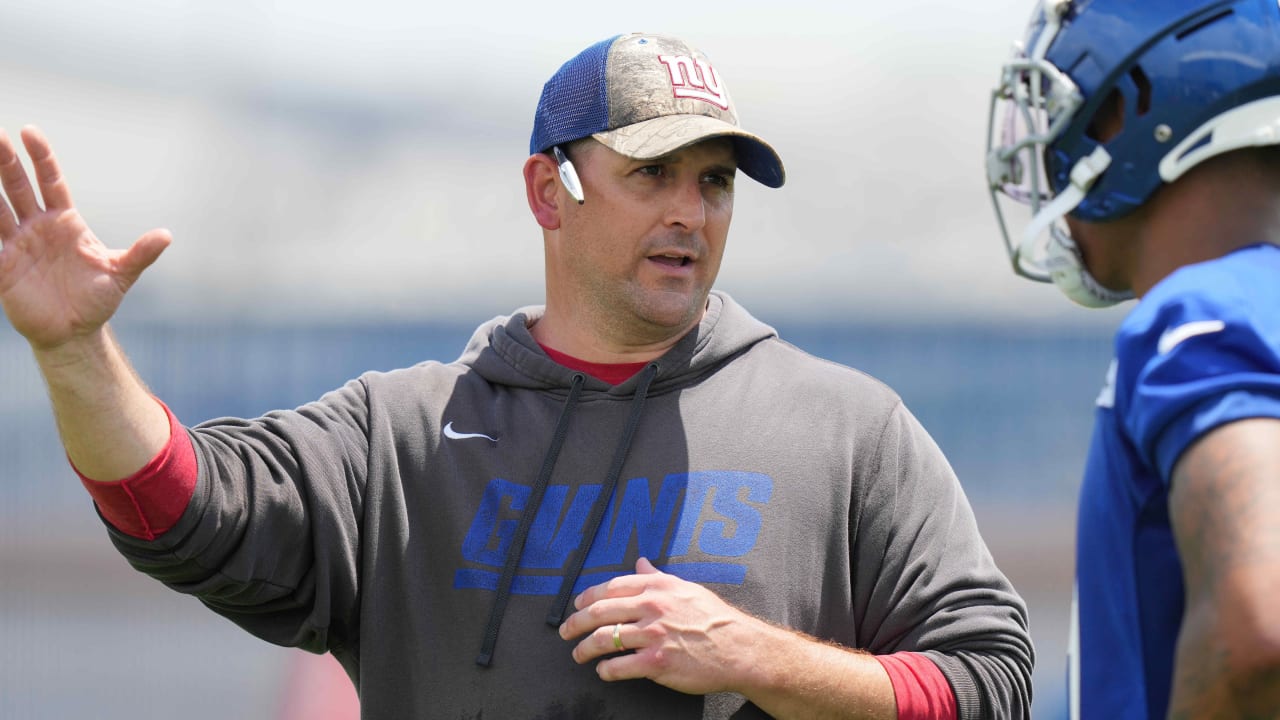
1206,215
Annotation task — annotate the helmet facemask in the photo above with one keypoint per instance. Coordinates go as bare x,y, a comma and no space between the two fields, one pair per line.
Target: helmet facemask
1030,109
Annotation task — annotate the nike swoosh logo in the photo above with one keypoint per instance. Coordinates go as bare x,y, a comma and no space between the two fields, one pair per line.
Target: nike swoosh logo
1171,337
1107,397
452,434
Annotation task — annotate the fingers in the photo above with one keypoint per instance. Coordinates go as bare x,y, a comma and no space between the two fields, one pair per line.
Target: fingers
629,666
611,639
21,195
599,604
143,252
621,586
14,178
53,186
594,617
8,223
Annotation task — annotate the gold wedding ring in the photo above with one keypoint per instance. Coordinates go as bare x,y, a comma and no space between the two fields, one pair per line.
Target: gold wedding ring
617,637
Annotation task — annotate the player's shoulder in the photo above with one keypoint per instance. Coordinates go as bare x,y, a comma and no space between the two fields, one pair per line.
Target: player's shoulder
1205,323
1198,338
1233,294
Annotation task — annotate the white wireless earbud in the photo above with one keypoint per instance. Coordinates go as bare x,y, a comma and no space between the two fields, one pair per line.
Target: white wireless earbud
568,175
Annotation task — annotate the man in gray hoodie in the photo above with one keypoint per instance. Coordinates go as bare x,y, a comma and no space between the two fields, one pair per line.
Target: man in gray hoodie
633,501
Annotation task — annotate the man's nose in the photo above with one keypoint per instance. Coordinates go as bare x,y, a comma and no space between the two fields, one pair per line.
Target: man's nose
687,207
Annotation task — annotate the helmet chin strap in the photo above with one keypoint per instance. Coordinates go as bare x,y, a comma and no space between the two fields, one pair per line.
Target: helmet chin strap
1067,270
1062,257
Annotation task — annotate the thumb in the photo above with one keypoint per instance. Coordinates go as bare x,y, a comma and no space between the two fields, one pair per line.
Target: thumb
143,252
644,567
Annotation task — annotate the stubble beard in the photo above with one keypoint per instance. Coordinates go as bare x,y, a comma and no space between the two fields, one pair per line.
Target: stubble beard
634,315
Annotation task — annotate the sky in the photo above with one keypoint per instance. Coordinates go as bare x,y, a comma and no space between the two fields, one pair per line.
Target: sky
337,160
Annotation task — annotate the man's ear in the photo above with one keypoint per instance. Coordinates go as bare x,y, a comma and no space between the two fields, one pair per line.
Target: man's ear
542,186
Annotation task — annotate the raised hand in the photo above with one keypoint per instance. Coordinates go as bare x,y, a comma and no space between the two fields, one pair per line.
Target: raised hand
58,282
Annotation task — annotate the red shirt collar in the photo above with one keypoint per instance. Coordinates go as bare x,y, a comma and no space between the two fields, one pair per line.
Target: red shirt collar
612,373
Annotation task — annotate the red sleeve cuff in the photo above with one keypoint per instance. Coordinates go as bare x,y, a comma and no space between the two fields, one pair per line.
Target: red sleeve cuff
148,503
920,688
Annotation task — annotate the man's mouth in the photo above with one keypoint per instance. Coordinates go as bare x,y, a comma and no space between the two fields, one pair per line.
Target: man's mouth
671,260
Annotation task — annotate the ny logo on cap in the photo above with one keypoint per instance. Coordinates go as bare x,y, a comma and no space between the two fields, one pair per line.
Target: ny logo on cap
696,79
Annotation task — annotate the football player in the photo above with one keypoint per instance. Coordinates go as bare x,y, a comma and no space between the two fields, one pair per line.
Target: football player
1142,137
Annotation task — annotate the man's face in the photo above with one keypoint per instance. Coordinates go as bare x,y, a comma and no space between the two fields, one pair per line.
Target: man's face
642,253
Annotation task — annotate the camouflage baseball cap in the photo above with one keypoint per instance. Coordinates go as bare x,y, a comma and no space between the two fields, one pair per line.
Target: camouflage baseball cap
646,96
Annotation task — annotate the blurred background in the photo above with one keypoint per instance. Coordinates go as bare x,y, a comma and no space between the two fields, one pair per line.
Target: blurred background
343,184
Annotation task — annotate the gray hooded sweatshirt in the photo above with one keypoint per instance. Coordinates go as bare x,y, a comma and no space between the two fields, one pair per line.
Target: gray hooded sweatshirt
429,525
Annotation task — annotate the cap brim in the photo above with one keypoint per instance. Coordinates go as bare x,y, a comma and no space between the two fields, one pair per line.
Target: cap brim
664,135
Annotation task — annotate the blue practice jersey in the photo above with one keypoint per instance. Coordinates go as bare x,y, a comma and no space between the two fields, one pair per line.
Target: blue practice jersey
1200,350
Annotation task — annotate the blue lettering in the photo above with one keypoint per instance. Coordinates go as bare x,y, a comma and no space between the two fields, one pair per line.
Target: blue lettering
549,546
727,489
730,503
478,546
718,511
634,516
695,496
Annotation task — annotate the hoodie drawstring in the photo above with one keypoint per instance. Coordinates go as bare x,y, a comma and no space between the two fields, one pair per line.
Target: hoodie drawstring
556,615
516,548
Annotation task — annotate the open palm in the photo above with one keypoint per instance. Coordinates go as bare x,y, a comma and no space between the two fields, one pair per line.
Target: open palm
57,280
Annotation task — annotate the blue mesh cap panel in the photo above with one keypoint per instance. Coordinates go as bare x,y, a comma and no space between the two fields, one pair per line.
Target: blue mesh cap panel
574,102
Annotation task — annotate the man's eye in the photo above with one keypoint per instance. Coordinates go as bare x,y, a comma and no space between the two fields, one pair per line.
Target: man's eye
718,179
651,170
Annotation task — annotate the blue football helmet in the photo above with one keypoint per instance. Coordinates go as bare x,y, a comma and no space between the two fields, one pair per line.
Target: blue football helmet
1192,78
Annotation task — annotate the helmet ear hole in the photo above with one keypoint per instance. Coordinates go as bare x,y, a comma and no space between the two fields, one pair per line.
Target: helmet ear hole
1141,82
1108,121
